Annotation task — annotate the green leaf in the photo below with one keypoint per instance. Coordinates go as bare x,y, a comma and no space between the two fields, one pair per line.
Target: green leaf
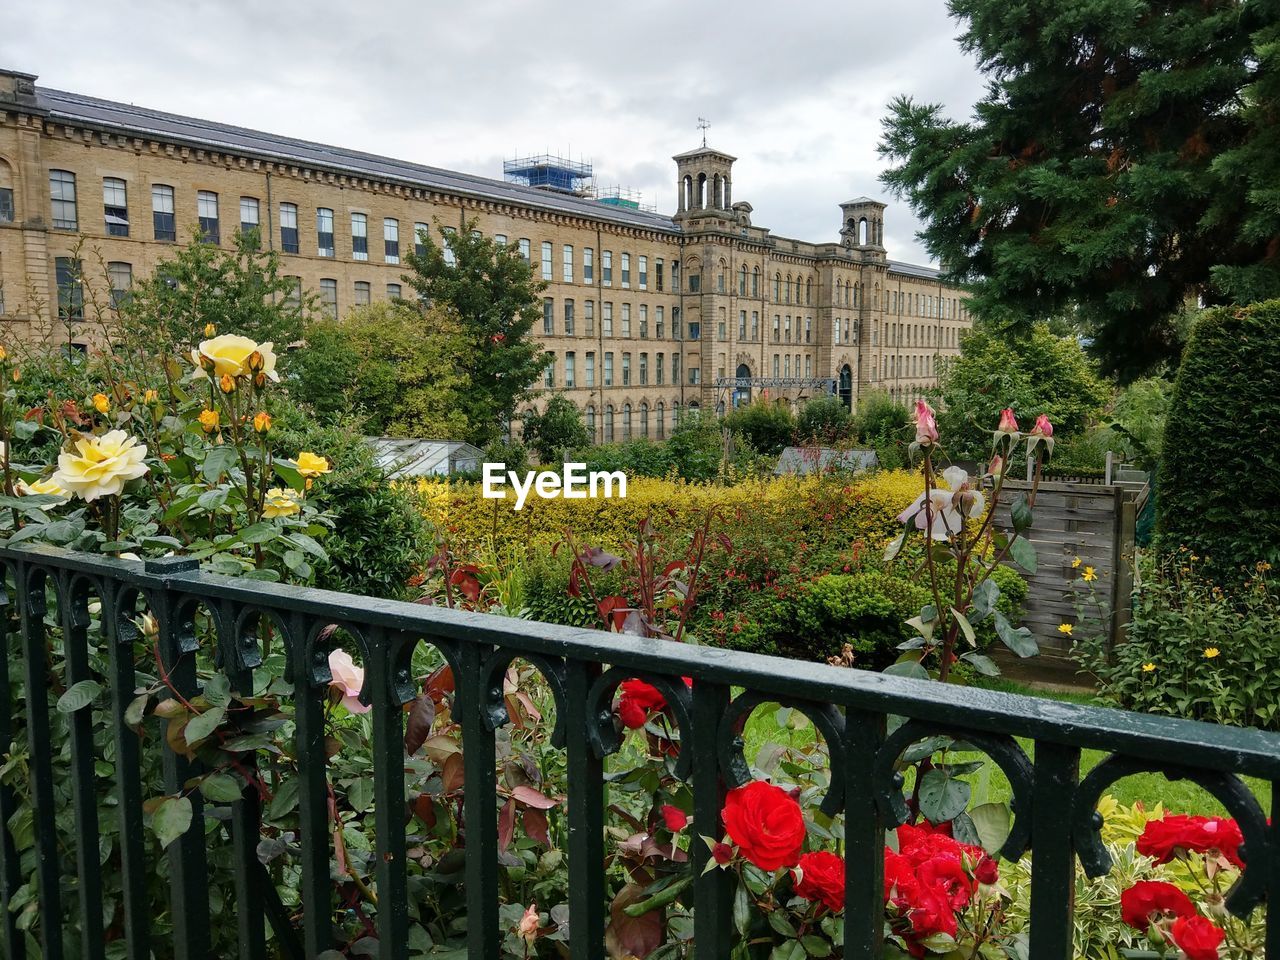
306,544
741,910
992,821
212,499
1019,640
285,799
984,600
1023,554
926,748
259,532
137,710
221,788
815,946
360,794
895,547
217,461
788,950
79,696
288,472
171,820
982,663
780,923
907,668
942,797
202,726
965,627
217,690
1020,513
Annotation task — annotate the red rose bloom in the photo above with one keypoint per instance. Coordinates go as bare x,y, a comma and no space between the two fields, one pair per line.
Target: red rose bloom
675,818
946,874
766,824
722,853
1197,937
1147,897
987,871
821,880
1165,839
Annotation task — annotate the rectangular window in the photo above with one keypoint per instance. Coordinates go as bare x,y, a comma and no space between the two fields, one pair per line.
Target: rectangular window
207,209
590,372
62,192
644,321
589,315
121,277
568,369
721,333
6,205
588,265
566,265
450,255
606,267
568,318
695,375
720,282
606,321
324,242
608,369
289,227
676,332
695,330
808,329
293,298
524,249
70,288
777,328
675,371
742,282
644,273
548,317
391,240
626,271
393,291
755,324
420,233
359,236
658,321
742,324
364,293
675,278
626,369
546,260
626,319
657,370
658,268
549,375
499,239
777,365
695,283
329,297
115,207
644,369
249,216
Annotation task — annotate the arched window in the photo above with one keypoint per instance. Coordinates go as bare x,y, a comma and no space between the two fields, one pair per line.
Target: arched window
862,232
741,389
702,190
675,414
658,413
608,423
644,419
755,281
808,292
787,290
686,193
693,406
742,281
626,421
777,288
591,421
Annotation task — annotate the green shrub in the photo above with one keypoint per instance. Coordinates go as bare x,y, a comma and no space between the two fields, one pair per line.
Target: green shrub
767,425
1220,474
826,420
885,425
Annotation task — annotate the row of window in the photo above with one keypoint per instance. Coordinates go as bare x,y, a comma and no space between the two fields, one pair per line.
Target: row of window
570,273
569,366
910,365
569,325
629,425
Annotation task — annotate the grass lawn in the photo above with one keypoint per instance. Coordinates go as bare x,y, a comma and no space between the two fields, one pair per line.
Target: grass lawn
991,785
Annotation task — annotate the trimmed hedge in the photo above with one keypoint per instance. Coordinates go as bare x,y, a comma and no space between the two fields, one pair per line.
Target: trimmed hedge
1220,474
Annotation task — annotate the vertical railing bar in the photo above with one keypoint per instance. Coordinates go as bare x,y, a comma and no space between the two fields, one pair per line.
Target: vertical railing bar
15,943
128,746
480,807
1053,858
313,799
863,838
712,890
32,606
74,616
188,859
1272,934
389,800
586,818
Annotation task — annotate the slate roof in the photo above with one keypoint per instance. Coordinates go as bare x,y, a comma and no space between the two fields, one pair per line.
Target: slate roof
401,458
914,270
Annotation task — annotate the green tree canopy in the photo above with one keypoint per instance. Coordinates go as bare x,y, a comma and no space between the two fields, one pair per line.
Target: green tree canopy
1034,373
1123,160
556,430
824,419
766,424
490,291
398,368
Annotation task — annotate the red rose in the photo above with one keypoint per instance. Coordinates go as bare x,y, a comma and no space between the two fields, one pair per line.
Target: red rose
1197,937
821,879
722,853
1177,833
987,871
899,874
766,824
1147,897
946,874
638,698
675,818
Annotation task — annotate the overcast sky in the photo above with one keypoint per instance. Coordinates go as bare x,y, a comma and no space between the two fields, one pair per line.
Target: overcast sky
795,91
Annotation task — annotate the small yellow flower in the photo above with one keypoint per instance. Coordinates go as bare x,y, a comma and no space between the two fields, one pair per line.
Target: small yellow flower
1065,628
262,421
17,375
150,397
1263,566
101,403
280,502
255,361
1075,563
209,420
227,384
1211,652
1089,575
1148,667
311,465
4,354
209,330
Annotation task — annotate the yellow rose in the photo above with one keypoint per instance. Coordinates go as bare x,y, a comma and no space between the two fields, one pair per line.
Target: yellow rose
100,466
262,421
310,465
150,397
280,502
229,355
42,488
209,419
209,330
227,384
4,354
101,402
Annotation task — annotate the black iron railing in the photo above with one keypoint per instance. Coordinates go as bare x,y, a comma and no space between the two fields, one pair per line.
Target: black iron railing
1054,809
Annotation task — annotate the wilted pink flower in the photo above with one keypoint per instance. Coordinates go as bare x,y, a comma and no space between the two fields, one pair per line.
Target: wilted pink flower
997,466
1008,423
1043,427
926,425
348,678
529,924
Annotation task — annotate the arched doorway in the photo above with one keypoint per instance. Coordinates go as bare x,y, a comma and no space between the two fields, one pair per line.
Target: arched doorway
742,391
846,386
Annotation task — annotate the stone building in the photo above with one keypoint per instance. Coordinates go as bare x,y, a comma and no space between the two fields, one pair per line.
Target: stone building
646,315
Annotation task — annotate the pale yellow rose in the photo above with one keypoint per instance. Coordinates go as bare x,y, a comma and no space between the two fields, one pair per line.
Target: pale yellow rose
43,488
310,465
100,466
280,502
228,355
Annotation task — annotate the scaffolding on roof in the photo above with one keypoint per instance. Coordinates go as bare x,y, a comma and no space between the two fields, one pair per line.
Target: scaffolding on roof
625,197
551,173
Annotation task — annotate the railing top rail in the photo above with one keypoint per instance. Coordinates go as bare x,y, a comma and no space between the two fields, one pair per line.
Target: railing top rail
1165,740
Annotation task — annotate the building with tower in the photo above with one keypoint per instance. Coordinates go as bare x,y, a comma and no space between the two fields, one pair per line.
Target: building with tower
645,315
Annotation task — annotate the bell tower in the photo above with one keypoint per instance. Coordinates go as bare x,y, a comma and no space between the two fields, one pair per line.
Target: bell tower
704,182
862,226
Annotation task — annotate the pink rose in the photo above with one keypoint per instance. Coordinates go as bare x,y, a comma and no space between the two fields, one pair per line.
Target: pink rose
529,924
1043,427
997,466
348,678
926,425
1008,423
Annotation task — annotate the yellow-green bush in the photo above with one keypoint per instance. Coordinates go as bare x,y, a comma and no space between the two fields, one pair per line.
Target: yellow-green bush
863,509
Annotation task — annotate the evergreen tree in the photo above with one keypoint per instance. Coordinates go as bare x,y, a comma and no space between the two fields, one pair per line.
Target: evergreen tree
557,430
489,289
1123,160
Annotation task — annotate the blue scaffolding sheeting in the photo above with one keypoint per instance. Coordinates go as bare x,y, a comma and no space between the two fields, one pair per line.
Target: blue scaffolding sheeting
547,172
